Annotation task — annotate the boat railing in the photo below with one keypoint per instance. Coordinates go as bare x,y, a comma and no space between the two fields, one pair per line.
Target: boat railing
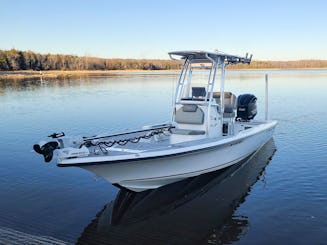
107,141
151,128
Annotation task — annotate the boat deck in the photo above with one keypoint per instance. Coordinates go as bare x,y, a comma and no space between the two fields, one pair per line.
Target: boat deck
152,145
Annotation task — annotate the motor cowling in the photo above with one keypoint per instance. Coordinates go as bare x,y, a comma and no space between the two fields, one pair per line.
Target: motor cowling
246,107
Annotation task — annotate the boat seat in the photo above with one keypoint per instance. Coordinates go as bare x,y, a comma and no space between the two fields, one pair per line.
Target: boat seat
187,131
230,103
189,114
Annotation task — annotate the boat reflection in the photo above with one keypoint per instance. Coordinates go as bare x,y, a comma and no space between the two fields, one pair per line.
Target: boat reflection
193,211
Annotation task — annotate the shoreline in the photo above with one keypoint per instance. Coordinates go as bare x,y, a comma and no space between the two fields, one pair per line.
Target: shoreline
59,74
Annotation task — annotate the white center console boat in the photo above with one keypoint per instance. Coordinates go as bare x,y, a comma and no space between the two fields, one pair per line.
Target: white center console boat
210,129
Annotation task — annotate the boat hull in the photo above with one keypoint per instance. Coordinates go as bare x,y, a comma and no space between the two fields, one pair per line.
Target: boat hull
150,173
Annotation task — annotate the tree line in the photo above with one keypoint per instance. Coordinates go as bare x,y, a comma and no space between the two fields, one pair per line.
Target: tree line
297,64
13,60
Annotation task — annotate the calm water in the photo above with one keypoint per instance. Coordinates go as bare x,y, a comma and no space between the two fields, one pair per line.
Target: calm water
277,197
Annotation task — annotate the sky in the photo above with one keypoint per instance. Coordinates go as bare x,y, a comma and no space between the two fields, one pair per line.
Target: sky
140,29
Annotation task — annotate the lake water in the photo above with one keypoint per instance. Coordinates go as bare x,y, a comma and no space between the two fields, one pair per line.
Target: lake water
279,196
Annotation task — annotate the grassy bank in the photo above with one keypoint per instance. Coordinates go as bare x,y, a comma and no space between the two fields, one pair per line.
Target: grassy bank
66,74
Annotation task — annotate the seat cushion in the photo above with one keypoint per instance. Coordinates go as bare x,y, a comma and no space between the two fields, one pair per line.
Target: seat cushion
189,115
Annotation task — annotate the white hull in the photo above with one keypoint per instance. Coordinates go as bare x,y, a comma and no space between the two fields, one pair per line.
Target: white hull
142,174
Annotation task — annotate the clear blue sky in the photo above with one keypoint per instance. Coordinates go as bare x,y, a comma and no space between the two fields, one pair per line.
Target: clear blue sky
271,30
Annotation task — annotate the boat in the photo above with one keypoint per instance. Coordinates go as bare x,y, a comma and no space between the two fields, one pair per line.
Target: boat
195,210
210,129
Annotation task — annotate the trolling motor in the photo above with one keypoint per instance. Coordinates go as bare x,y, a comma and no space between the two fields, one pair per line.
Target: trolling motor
47,149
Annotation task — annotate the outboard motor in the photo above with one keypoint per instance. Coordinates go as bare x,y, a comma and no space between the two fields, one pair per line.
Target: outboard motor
246,107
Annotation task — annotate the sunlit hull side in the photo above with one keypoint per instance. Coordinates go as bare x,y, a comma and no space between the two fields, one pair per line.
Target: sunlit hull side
150,171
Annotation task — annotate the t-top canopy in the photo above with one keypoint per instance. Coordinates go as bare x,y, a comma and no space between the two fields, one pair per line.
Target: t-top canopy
204,56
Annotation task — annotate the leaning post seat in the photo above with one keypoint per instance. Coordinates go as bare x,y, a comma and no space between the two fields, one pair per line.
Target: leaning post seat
189,115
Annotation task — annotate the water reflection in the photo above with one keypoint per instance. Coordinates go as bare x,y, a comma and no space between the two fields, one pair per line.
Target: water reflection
38,83
196,210
35,83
